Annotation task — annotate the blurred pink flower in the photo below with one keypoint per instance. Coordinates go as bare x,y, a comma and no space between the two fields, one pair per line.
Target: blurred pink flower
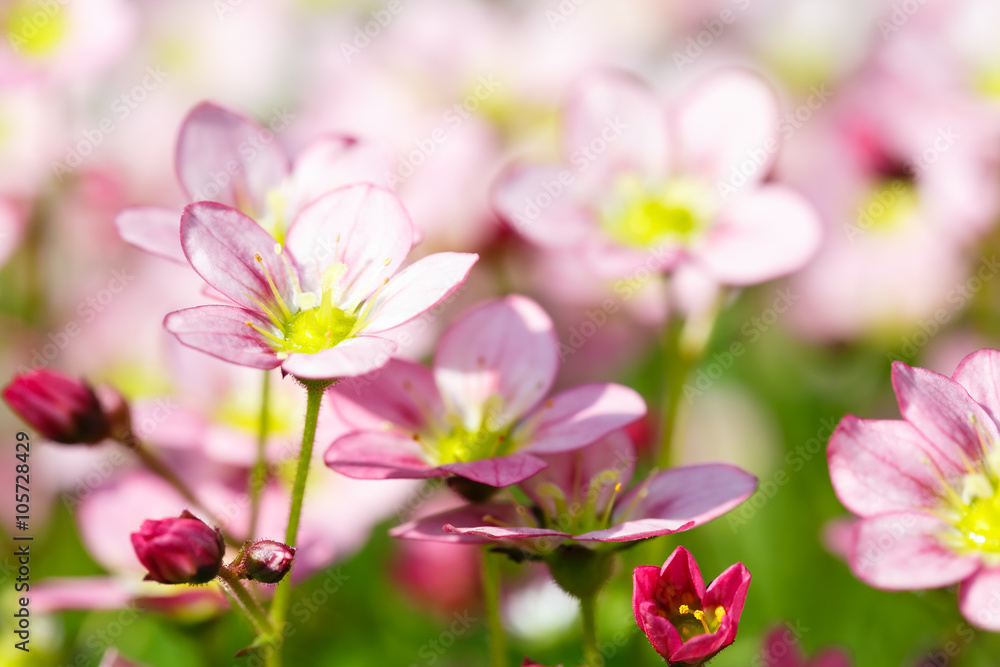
927,487
481,413
581,496
781,649
664,190
315,309
685,623
225,157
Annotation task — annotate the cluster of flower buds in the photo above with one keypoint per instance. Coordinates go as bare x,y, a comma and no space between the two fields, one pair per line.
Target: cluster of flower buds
186,550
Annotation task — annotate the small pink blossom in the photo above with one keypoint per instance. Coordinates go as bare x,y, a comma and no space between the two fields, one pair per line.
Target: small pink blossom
781,649
686,623
225,157
482,413
317,305
582,496
926,487
678,189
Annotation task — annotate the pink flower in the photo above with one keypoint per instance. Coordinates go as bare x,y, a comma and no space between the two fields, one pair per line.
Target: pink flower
66,410
185,550
315,307
667,190
781,649
482,412
927,487
580,496
225,157
684,622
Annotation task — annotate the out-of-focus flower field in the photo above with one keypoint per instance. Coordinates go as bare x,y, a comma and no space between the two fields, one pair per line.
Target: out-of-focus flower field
500,332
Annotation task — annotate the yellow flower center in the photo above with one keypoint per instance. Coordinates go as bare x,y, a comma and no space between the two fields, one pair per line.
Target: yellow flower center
691,621
35,29
980,526
312,327
642,217
888,206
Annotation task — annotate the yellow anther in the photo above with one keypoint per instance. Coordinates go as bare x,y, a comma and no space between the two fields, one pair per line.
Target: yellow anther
683,609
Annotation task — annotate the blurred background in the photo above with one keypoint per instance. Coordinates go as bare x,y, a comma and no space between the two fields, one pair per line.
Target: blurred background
890,127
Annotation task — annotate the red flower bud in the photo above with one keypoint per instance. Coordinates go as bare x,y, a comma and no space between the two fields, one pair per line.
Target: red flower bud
64,409
266,561
183,550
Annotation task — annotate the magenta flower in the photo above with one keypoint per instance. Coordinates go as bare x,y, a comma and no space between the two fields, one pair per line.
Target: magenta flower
482,412
184,550
928,487
579,496
225,157
315,306
781,649
685,623
667,189
66,410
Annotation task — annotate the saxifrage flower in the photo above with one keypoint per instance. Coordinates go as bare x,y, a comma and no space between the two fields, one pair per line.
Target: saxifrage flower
928,486
686,623
316,305
582,497
482,412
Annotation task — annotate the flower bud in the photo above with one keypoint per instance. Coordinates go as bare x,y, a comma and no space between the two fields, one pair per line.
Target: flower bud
64,409
183,550
266,561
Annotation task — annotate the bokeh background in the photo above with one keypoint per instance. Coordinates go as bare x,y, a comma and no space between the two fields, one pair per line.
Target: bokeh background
891,129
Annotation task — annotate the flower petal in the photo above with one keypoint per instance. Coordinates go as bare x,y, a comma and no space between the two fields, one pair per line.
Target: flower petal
538,203
615,121
979,599
222,245
943,412
222,332
212,166
377,455
418,288
361,226
349,358
763,235
504,347
579,416
725,120
400,394
903,551
153,229
499,472
979,374
662,635
482,523
675,500
329,163
879,465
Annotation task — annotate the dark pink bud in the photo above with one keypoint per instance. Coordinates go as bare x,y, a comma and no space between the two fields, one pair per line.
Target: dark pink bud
185,550
266,561
64,409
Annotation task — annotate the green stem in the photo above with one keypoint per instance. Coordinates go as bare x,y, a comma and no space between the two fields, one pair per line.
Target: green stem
491,602
258,475
676,366
591,651
156,465
253,611
282,596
